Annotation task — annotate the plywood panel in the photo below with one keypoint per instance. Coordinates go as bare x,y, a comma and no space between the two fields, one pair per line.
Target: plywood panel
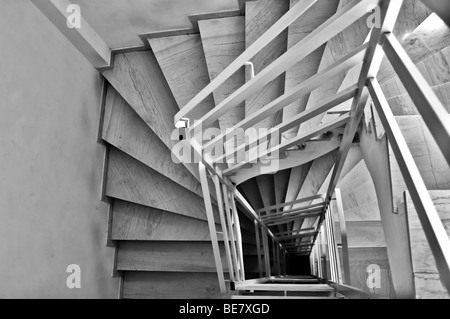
124,129
132,181
160,285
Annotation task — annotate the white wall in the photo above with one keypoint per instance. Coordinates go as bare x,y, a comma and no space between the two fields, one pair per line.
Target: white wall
119,22
50,164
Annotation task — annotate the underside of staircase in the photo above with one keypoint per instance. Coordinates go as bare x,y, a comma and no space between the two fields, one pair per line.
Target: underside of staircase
159,222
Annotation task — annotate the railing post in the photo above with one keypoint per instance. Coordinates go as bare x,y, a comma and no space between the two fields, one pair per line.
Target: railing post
266,252
212,226
237,227
232,238
274,257
278,259
335,248
224,225
258,248
344,241
335,272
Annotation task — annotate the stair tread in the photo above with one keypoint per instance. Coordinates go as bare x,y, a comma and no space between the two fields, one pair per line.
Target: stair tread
259,17
183,64
427,156
402,104
224,41
168,256
160,285
298,30
336,48
316,177
124,129
285,287
430,37
136,222
281,297
422,257
128,179
137,77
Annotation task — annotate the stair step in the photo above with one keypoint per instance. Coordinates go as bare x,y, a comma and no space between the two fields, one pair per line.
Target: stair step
183,64
317,175
430,37
168,257
427,156
402,104
426,275
336,48
435,69
132,181
280,297
411,16
286,287
165,285
224,41
297,31
124,129
259,17
137,77
136,222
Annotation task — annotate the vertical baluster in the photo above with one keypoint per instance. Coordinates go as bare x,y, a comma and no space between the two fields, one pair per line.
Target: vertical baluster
231,233
212,226
224,226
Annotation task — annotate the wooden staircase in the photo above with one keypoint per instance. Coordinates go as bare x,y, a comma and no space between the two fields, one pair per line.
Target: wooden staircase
158,221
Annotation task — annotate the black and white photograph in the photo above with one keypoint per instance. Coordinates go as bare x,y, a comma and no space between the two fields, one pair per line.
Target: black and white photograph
229,155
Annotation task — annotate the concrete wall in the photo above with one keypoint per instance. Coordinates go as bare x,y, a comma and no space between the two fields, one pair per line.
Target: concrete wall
50,164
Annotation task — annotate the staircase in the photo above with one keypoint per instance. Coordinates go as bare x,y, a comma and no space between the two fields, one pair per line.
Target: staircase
159,220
